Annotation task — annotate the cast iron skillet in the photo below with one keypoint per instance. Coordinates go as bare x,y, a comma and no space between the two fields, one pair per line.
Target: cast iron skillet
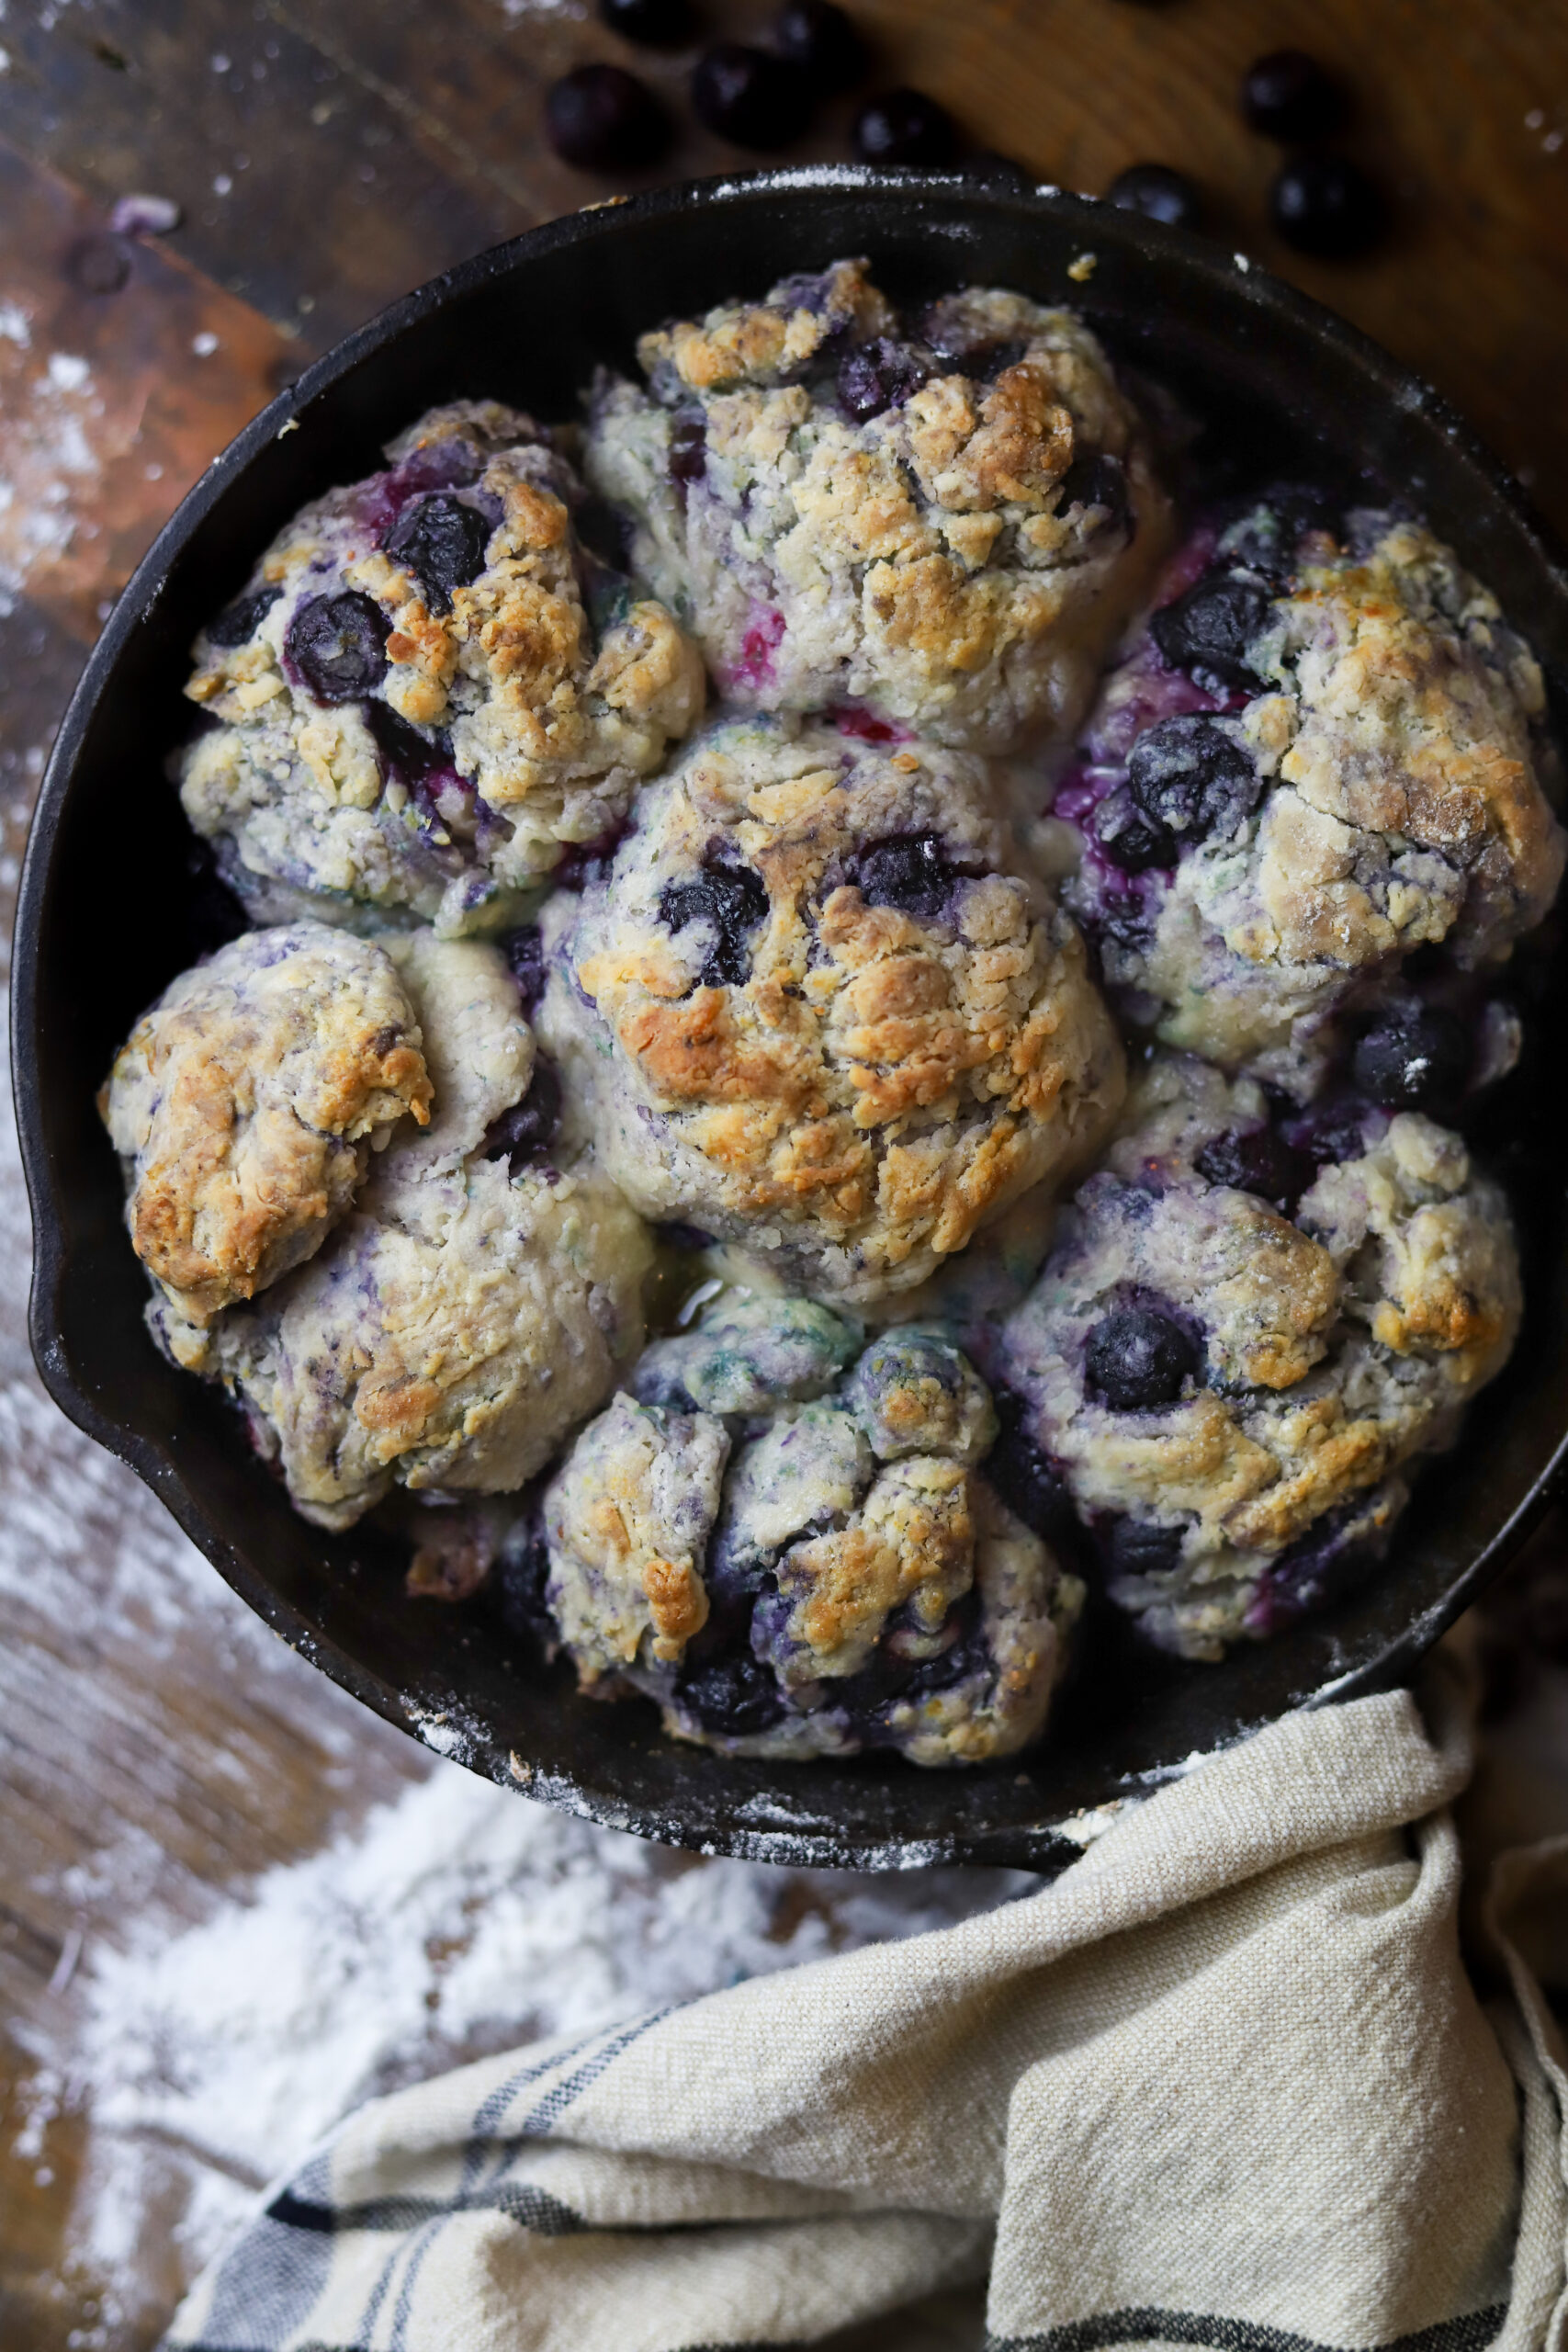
110,911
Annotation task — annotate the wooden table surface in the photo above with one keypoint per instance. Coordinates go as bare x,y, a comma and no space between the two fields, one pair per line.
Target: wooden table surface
158,1752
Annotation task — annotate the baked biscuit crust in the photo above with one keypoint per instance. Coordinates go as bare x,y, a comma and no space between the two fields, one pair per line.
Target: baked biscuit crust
478,726
1397,728
948,520
894,1038
825,1571
245,1105
1333,1348
463,1318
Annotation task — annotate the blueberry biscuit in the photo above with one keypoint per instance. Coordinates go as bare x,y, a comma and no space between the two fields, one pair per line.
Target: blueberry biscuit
947,518
799,1559
1328,751
245,1105
815,1008
430,689
482,1296
1242,1335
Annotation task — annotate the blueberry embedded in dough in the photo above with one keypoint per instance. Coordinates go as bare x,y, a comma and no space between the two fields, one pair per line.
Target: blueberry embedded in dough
1247,1457
432,690
813,1571
947,517
1330,751
819,1008
246,1105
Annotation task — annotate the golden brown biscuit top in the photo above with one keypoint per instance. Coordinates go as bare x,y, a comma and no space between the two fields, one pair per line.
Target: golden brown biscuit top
240,1099
1407,712
829,1079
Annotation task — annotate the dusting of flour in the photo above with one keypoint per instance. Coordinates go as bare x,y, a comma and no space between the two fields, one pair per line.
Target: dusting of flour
456,1919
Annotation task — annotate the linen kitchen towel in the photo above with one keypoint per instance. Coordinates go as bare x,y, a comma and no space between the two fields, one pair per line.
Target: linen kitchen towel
1222,2083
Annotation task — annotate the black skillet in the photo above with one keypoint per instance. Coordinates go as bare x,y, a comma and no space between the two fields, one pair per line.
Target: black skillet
110,910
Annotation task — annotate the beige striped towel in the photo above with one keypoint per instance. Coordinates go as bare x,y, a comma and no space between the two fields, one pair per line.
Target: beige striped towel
1222,2083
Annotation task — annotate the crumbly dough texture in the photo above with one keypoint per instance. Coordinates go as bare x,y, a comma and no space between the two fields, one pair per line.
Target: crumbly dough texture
959,563
1400,740
461,1320
828,1536
245,1105
881,1083
513,719
1334,1347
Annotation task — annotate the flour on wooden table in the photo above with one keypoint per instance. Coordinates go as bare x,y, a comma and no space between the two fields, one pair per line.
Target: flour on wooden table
457,1918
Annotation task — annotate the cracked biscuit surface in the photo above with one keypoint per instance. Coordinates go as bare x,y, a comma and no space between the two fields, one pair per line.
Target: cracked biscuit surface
785,1538
817,1008
430,689
1331,750
470,1310
245,1105
947,517
1229,1392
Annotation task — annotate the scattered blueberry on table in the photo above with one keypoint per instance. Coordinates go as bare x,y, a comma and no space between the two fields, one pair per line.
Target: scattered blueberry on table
604,119
904,127
1327,207
1288,96
1159,193
822,41
749,95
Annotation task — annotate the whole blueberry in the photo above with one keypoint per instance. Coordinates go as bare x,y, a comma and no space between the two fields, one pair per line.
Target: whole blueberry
879,375
1326,206
1128,838
1411,1059
442,540
604,119
910,871
657,24
523,1134
1212,628
1138,1357
904,127
822,40
1135,1547
1192,779
524,952
1256,1160
731,1696
734,899
1159,193
240,621
1290,97
749,97
338,644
